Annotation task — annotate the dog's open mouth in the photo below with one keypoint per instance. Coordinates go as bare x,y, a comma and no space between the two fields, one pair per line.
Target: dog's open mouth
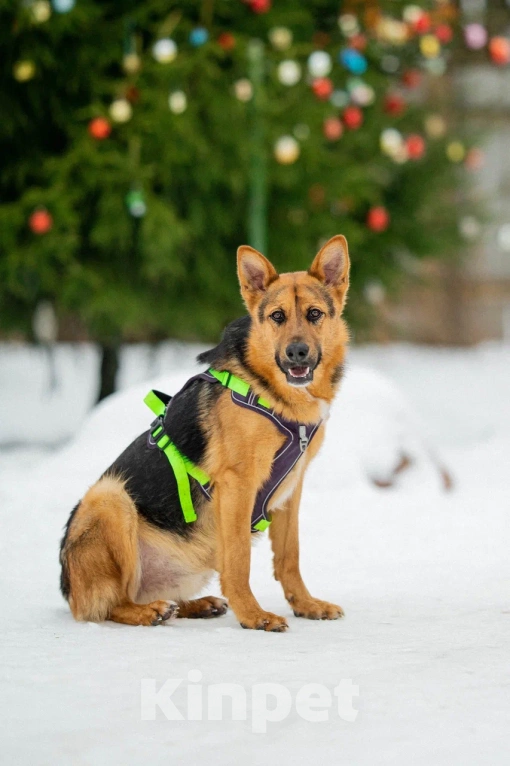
299,376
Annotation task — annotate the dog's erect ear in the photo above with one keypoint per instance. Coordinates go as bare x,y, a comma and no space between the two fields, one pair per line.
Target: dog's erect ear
331,266
255,274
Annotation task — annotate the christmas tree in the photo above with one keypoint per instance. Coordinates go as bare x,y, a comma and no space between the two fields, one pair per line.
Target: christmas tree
143,142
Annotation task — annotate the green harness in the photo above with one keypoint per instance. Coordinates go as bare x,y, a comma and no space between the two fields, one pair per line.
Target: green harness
182,467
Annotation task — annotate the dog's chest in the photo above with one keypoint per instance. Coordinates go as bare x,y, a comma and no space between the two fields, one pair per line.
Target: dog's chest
287,487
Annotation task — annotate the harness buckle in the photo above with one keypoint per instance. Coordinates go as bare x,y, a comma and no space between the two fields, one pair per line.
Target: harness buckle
303,438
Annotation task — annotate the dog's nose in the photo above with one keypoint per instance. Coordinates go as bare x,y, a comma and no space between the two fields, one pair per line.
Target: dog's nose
297,352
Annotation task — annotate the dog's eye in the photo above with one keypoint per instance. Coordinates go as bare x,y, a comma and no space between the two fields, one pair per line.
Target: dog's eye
278,317
314,315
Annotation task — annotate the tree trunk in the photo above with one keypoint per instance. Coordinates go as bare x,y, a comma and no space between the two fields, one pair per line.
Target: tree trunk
109,369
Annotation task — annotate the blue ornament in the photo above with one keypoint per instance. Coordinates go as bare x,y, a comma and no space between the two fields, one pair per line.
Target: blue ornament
353,61
198,36
63,6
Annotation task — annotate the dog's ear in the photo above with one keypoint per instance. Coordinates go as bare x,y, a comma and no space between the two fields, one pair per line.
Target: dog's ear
255,274
331,266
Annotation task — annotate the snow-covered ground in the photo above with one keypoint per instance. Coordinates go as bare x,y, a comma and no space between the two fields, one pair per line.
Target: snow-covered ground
423,575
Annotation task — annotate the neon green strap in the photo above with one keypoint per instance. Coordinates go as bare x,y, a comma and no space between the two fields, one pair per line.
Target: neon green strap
231,381
154,403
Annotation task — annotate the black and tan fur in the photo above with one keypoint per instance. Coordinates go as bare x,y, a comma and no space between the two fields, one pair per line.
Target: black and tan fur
127,554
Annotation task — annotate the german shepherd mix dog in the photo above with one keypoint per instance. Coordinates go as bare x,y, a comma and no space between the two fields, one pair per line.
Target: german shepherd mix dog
128,552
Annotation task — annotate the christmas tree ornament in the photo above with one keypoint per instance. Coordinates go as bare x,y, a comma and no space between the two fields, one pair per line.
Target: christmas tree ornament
499,50
411,78
358,42
374,292
164,50
260,6
469,227
435,126
280,38
412,14
40,221
198,36
322,87
227,41
45,322
430,46
475,36
455,151
348,24
131,63
352,117
394,104
390,63
135,203
361,93
40,11
391,141
435,67
289,72
63,6
422,25
444,33
24,70
400,156
475,159
178,102
415,146
286,150
121,110
333,128
391,31
504,237
301,131
353,61
319,64
243,89
339,98
378,218
99,128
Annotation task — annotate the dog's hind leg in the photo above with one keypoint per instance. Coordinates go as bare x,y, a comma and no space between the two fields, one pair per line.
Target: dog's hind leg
100,561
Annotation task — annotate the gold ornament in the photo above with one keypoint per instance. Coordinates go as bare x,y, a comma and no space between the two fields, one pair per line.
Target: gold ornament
391,31
131,63
41,11
243,89
286,150
23,70
435,126
455,151
121,110
280,38
430,46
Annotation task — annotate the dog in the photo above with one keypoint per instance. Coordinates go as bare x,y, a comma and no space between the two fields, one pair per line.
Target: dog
129,555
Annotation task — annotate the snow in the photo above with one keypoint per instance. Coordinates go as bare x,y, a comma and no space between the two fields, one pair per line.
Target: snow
421,573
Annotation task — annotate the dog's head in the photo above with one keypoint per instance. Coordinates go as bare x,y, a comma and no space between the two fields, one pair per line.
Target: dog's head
298,336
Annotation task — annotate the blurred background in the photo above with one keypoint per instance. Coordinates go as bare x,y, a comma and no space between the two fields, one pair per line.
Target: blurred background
142,142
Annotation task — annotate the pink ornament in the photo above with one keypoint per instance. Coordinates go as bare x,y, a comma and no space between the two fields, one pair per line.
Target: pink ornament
475,36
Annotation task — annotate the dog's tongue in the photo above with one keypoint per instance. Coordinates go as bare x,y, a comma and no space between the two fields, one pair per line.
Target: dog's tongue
299,372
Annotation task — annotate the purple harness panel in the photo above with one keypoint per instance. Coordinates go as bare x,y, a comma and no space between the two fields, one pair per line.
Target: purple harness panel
297,439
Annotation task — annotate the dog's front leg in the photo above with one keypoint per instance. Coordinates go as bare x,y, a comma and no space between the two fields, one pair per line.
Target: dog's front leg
233,503
284,534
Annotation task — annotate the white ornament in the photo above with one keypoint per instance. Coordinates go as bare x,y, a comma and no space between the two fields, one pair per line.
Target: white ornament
243,89
469,227
286,150
289,72
121,110
177,102
391,141
319,64
339,98
348,24
164,50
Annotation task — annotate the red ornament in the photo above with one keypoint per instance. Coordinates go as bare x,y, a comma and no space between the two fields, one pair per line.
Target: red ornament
40,221
411,78
259,6
353,117
322,87
358,42
333,128
499,49
394,104
422,25
378,218
444,33
474,159
415,146
227,41
100,128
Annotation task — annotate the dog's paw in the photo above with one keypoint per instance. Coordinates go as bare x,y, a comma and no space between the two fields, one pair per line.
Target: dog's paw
315,609
162,611
208,606
264,621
